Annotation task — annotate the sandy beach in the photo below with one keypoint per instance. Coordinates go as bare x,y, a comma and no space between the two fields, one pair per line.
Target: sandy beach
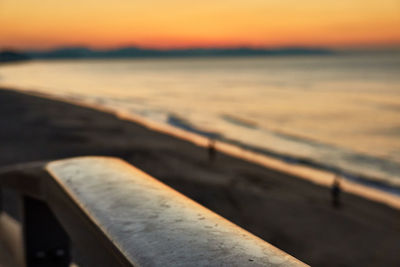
291,213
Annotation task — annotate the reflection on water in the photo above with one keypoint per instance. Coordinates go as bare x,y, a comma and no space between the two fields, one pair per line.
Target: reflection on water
341,112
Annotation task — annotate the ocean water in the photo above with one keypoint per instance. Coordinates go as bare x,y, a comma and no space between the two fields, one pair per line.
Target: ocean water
340,113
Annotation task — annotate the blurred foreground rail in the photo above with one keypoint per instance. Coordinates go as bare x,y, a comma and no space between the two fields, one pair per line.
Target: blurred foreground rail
98,211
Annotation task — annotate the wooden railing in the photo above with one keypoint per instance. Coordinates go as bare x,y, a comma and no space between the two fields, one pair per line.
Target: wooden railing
99,211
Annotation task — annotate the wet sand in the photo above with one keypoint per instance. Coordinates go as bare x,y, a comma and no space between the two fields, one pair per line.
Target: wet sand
293,214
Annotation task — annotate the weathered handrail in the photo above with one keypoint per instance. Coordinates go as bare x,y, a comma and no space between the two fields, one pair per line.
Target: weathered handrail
116,215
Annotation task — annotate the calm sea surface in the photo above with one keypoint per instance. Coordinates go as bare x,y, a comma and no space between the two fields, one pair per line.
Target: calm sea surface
335,112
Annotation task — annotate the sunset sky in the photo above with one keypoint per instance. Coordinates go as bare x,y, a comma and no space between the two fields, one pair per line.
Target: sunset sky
33,24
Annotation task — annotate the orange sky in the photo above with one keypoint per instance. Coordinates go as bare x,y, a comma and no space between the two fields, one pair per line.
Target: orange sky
27,24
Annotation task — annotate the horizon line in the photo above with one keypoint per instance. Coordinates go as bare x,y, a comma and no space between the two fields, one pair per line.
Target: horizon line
360,48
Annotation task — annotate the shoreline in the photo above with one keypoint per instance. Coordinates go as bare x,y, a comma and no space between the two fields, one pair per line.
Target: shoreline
293,214
301,171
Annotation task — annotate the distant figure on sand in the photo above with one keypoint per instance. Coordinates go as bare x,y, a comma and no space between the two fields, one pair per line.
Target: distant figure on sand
211,150
335,191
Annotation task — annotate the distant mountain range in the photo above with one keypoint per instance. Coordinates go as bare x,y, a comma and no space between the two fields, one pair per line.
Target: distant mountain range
12,56
135,52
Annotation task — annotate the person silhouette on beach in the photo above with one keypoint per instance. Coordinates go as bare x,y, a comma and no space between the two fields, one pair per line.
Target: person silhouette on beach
335,192
211,150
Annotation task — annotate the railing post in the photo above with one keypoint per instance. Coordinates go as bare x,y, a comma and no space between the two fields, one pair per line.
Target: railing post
46,243
116,215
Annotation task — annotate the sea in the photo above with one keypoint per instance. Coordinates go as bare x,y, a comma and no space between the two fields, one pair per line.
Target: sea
338,112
